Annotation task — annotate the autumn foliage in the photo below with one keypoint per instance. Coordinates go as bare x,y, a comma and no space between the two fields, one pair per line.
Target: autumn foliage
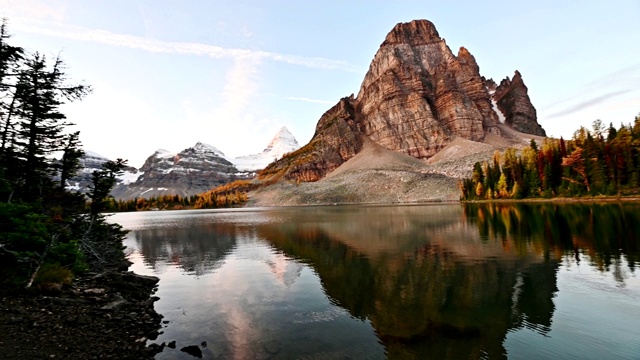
228,195
597,162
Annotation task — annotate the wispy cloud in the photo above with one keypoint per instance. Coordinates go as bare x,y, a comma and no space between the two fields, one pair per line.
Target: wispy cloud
588,103
79,33
240,88
49,10
315,101
614,82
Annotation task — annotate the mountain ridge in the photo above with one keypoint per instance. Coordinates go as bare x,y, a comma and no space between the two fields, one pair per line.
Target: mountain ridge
193,170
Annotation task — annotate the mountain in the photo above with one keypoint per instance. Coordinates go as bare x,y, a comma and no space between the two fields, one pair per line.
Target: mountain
91,162
416,98
512,100
193,170
282,143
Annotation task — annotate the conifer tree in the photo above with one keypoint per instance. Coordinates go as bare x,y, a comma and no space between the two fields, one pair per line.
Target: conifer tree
10,60
102,184
40,127
71,154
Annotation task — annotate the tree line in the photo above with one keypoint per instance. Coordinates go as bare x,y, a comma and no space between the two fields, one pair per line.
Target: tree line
600,161
45,226
232,194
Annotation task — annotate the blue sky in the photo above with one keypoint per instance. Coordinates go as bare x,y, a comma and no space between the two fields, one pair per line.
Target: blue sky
167,74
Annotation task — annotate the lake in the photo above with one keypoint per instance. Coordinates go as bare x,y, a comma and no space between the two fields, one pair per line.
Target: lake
441,281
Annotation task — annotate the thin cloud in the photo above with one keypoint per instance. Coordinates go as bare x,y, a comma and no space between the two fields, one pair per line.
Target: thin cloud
79,33
588,103
315,101
49,10
240,88
626,77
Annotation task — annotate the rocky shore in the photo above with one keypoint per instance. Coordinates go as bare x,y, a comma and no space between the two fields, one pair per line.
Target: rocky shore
108,315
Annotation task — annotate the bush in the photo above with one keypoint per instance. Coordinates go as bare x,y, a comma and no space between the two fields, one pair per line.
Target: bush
53,274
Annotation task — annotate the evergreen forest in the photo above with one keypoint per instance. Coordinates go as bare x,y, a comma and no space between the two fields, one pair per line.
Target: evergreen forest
48,233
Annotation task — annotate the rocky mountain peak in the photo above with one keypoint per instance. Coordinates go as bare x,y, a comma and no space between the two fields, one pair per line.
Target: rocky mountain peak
512,99
465,57
193,170
413,33
201,147
416,98
282,140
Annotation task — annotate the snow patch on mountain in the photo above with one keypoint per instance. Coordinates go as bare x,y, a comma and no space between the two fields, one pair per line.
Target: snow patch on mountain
163,154
283,142
205,148
92,161
500,114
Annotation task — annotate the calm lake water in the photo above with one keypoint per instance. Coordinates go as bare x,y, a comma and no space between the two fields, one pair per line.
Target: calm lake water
454,281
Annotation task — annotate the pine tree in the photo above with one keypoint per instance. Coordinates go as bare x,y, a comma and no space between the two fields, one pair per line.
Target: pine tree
10,60
478,175
103,182
71,154
40,128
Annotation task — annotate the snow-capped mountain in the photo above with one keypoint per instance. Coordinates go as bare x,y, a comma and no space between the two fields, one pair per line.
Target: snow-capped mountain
283,142
193,170
91,162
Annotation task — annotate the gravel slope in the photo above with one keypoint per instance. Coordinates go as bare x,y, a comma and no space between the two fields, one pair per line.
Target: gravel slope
381,176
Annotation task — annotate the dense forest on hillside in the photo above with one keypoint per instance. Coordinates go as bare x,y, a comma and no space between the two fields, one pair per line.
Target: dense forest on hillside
601,161
48,233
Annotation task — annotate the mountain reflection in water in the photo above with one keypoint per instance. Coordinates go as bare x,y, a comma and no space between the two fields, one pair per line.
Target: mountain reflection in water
435,281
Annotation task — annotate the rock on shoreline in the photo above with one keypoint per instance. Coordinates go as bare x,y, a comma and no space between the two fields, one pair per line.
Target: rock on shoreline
108,315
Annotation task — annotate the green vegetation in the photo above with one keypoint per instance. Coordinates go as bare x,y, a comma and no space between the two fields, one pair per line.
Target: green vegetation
598,162
48,233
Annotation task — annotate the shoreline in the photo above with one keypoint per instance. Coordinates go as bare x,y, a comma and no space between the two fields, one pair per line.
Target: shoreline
589,199
586,199
107,315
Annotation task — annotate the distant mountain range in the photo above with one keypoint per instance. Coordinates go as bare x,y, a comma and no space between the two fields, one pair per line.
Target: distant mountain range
191,171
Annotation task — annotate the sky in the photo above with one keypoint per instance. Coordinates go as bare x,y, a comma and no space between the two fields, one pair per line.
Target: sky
167,74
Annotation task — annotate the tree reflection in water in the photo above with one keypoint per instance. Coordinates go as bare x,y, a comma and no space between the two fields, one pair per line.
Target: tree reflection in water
451,286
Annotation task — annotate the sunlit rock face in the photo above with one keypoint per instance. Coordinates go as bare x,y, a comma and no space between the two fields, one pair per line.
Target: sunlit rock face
416,97
513,100
335,141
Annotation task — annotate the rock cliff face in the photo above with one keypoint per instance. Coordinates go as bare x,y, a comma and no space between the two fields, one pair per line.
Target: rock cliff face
513,100
416,98
417,95
335,141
